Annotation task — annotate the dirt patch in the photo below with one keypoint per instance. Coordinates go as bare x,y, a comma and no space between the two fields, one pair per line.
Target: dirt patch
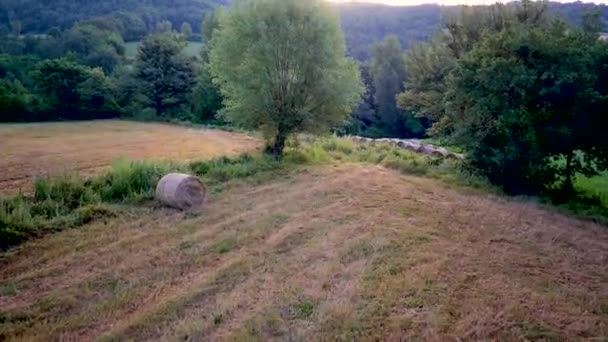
343,253
32,150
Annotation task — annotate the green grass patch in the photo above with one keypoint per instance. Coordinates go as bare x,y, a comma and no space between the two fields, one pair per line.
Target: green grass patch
68,201
225,246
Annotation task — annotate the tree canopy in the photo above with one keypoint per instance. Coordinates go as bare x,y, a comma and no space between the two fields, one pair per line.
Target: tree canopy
165,74
528,103
281,67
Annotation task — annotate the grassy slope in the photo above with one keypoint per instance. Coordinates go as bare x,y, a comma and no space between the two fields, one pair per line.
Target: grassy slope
337,252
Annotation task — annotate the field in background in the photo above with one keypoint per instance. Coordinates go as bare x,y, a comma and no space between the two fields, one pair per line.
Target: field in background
193,49
31,150
332,253
595,186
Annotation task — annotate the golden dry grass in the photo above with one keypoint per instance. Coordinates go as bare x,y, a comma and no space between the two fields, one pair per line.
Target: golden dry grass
342,253
31,150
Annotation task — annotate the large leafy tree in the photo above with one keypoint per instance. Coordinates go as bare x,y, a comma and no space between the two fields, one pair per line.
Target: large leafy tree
429,64
281,67
94,45
13,101
164,72
73,91
529,105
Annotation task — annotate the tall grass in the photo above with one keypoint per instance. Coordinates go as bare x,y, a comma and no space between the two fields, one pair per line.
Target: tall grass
66,201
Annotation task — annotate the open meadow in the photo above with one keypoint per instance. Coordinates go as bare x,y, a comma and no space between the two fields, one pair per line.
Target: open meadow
41,149
321,246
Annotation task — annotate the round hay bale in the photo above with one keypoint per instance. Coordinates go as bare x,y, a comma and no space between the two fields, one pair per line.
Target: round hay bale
181,191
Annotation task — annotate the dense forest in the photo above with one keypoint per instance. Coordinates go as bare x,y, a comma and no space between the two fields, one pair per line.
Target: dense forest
363,24
132,18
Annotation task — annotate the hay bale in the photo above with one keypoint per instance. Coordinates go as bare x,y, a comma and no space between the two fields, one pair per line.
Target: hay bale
411,146
426,150
181,191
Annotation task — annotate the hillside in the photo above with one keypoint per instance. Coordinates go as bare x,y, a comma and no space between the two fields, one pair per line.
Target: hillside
338,253
363,24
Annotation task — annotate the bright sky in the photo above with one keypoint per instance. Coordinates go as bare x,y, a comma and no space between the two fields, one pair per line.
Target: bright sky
441,2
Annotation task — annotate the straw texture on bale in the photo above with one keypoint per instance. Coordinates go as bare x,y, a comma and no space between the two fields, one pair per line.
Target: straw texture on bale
181,191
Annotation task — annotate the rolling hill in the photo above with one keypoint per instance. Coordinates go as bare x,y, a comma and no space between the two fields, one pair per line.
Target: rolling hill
363,24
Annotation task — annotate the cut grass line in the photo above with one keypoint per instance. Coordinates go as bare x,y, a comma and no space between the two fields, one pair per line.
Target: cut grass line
223,279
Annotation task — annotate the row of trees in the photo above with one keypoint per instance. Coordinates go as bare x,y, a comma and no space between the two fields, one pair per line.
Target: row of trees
133,19
363,24
522,92
83,73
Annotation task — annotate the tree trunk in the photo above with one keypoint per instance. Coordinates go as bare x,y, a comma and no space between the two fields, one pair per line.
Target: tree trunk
158,104
279,144
568,186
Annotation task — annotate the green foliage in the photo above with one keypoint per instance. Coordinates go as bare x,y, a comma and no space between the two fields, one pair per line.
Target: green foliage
68,201
429,64
93,45
73,91
556,80
133,19
280,66
206,99
366,24
389,73
165,74
186,30
14,100
132,181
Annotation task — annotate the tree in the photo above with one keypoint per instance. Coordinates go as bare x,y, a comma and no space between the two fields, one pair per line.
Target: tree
429,64
529,105
206,98
164,72
94,46
97,95
73,91
13,101
186,30
164,26
210,23
16,27
57,81
388,73
280,66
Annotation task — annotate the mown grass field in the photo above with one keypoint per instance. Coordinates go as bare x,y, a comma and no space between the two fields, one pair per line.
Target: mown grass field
33,150
339,242
193,49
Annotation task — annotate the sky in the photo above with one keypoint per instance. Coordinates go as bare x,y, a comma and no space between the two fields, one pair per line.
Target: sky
442,2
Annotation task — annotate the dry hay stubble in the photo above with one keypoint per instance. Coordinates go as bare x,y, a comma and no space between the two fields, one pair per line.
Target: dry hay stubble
370,254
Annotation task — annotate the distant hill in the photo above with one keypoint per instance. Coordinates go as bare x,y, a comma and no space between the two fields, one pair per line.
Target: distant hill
135,17
364,24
